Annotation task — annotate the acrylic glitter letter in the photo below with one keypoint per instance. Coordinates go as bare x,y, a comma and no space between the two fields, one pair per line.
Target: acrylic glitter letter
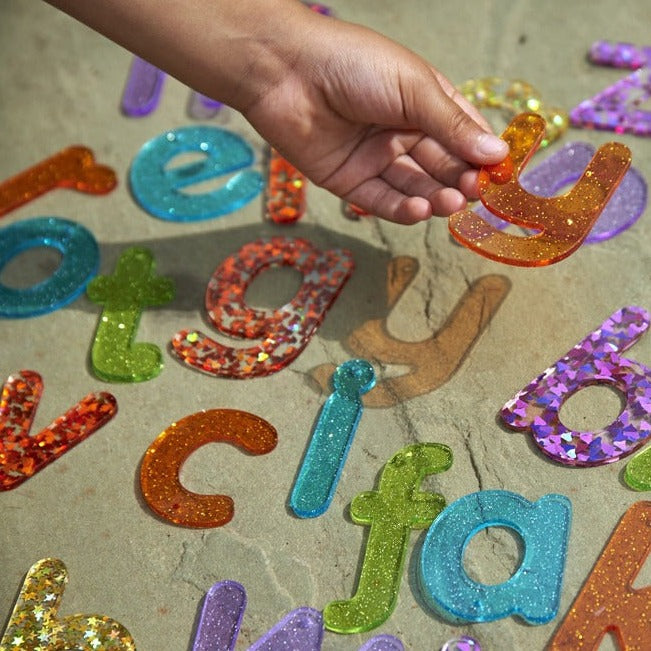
300,629
159,188
114,356
285,192
383,643
638,471
79,262
432,362
608,602
514,97
284,332
22,455
392,511
462,643
595,360
562,222
333,435
564,167
72,168
221,616
161,465
533,592
617,107
620,55
143,89
34,623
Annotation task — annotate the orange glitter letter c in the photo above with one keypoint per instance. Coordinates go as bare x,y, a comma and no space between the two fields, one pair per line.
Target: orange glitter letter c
562,222
159,472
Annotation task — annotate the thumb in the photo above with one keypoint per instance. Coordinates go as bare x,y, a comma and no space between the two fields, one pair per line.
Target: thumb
436,107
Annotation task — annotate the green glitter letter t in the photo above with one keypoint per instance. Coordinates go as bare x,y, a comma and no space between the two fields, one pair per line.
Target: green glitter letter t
124,295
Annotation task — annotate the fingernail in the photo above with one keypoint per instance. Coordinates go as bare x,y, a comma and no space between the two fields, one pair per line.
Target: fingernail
490,145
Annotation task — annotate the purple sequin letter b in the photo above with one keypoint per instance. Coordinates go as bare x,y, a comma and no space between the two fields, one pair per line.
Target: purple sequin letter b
595,360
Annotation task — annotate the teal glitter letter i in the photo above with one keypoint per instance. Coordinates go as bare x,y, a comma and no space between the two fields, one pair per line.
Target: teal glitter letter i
392,511
123,295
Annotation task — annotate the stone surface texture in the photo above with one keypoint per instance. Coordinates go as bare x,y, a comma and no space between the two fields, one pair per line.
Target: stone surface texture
60,84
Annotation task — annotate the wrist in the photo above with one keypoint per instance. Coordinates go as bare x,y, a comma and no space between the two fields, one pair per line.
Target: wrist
230,50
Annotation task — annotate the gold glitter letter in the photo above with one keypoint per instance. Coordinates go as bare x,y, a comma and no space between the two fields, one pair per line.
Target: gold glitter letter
33,625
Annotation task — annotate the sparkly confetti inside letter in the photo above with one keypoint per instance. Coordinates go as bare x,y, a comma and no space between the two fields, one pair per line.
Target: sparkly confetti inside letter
159,188
143,89
333,435
159,473
22,455
432,362
514,97
595,360
564,167
284,332
392,511
221,616
79,262
285,191
562,222
114,356
72,168
34,623
533,592
617,107
608,602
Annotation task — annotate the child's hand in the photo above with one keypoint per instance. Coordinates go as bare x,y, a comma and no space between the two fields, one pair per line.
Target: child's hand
375,124
357,113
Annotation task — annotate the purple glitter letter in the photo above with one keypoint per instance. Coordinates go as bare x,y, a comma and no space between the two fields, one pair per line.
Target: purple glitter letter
566,166
383,643
221,616
301,629
143,88
595,360
616,108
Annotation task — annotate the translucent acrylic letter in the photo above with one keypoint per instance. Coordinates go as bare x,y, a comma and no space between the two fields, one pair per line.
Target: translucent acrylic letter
392,511
22,455
284,332
160,189
124,295
34,623
608,602
562,222
595,360
533,592
161,465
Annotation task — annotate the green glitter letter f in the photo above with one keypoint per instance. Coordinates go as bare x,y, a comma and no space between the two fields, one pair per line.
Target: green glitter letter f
123,295
392,511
